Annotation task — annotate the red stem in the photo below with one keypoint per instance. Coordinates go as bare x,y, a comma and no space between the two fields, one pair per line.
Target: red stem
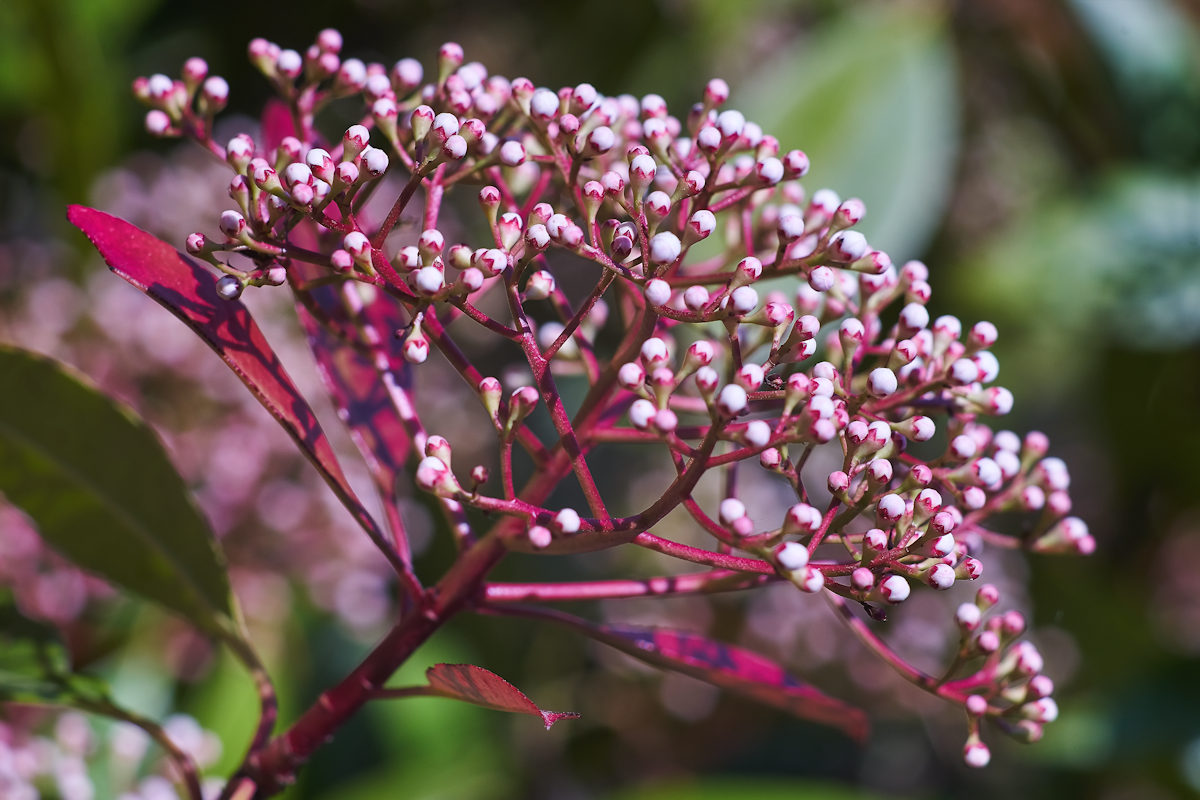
722,580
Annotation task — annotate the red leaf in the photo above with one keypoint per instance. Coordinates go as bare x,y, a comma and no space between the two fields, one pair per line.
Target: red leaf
357,369
277,123
483,688
733,668
188,291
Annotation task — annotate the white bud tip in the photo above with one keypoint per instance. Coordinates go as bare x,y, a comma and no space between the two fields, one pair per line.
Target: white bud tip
792,556
658,292
731,510
732,399
895,589
882,382
941,576
567,520
665,248
977,755
758,433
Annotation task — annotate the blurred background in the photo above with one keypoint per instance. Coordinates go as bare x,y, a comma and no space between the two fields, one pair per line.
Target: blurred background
1041,156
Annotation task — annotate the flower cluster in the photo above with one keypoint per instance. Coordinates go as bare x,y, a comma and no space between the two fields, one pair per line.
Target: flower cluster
716,310
58,764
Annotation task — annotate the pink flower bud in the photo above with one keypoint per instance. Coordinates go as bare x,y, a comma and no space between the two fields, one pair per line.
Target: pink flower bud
434,476
879,471
732,400
769,171
407,75
850,212
795,164
881,382
416,347
894,589
743,300
730,123
707,380
654,352
158,123
567,521
862,579
976,754
941,577
229,287
970,569
890,507
631,376
749,377
943,522
813,580
665,248
641,413
700,225
964,371
657,292
792,556
1041,710
848,246
968,616
983,335
428,281
821,279
803,519
540,286
695,298
540,536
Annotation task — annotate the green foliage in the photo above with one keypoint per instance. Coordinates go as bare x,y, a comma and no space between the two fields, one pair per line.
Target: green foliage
872,102
100,487
745,788
34,666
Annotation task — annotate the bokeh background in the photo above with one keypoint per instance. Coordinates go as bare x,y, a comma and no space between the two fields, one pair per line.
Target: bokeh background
1042,156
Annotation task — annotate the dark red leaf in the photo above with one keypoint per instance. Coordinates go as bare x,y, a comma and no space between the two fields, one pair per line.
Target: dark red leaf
188,291
483,688
361,372
277,123
733,668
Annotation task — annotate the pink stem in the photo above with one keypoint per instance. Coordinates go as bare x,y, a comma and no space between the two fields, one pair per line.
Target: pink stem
696,583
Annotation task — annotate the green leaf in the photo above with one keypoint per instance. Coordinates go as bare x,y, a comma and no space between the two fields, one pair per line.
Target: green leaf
103,492
34,666
746,787
872,102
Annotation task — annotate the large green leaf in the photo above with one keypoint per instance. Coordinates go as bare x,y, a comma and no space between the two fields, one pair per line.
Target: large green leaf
871,100
100,487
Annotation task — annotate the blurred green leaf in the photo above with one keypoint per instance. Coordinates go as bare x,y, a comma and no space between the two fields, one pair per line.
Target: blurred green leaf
100,487
1120,264
872,102
746,788
34,666
1150,49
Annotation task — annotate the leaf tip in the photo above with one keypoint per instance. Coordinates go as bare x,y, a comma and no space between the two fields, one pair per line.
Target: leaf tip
551,717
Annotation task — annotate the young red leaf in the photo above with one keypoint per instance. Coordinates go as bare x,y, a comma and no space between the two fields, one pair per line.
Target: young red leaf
188,291
733,668
483,688
277,123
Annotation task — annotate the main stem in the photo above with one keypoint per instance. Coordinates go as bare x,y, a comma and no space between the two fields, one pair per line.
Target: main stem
274,767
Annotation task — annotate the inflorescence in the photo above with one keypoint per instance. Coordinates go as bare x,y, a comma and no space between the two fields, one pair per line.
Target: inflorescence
680,223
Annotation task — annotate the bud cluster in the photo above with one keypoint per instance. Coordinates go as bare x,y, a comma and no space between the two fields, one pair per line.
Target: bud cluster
684,224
